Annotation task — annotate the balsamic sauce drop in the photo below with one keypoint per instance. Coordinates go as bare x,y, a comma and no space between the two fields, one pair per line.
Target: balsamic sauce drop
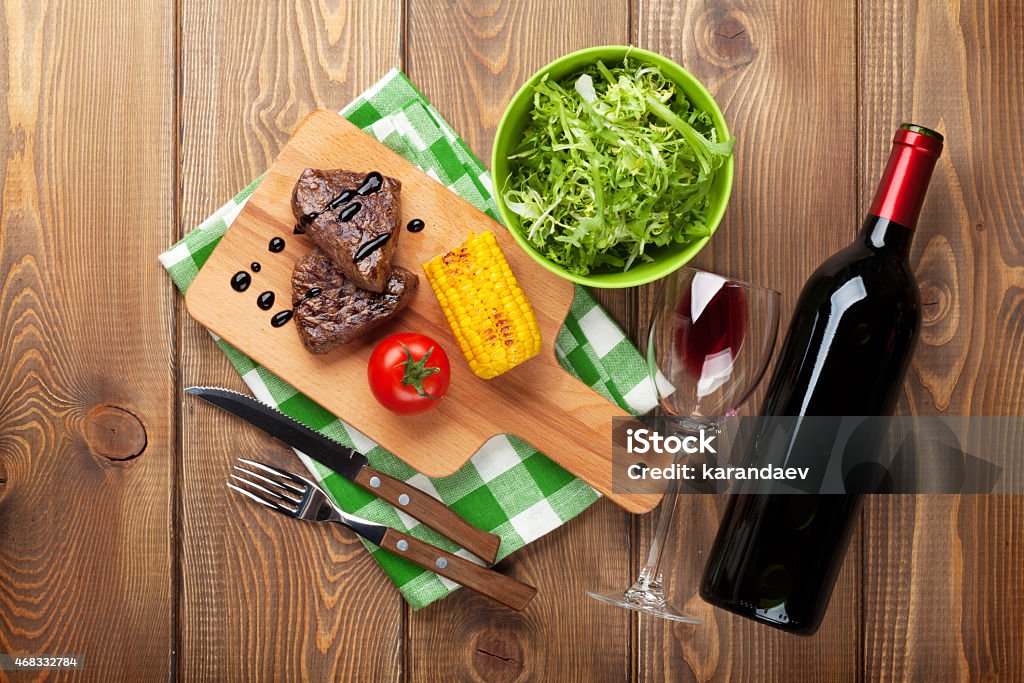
255,266
367,248
374,181
240,281
349,212
265,301
415,225
281,318
276,245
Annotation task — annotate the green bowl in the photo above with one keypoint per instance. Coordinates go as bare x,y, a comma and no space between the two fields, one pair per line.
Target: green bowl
516,117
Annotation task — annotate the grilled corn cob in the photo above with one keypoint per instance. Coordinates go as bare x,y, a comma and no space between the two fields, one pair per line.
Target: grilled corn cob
487,310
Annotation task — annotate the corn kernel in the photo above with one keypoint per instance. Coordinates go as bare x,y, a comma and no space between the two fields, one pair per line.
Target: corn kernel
493,322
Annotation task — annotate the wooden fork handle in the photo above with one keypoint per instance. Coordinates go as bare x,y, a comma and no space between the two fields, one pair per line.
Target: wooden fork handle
431,512
503,589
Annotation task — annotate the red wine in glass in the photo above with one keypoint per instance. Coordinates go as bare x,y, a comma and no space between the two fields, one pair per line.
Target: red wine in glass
710,323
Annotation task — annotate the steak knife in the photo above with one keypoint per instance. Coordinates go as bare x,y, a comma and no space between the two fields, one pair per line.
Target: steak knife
352,465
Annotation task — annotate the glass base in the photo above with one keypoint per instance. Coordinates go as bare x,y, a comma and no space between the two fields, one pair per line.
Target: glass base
648,602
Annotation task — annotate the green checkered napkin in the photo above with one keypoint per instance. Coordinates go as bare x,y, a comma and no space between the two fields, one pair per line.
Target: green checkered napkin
507,487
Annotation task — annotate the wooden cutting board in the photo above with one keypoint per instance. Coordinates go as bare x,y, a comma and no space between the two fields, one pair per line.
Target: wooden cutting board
537,401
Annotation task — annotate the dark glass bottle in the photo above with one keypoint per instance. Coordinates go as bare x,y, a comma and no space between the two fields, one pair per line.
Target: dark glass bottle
776,556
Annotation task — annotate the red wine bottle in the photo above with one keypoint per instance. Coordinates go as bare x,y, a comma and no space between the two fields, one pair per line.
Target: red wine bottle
776,556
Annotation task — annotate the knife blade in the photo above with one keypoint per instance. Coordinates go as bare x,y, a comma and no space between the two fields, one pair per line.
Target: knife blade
353,465
344,460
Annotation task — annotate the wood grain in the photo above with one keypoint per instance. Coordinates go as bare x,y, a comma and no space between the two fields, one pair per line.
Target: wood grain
490,49
943,590
537,401
784,76
86,391
264,597
90,478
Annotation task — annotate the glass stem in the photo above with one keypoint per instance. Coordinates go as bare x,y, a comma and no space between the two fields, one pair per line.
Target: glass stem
648,585
651,573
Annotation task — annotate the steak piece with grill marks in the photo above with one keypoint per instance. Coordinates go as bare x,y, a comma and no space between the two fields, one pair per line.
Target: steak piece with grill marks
341,311
340,221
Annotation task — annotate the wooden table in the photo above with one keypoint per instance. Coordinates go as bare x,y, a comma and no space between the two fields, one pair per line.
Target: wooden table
126,123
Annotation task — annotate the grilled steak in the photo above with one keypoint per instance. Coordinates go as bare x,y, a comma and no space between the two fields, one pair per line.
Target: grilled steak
341,311
344,211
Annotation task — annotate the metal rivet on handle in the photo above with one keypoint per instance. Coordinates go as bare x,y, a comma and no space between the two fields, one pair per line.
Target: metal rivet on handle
402,545
375,482
403,499
441,563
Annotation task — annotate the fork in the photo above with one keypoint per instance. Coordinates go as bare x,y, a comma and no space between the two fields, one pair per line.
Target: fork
298,497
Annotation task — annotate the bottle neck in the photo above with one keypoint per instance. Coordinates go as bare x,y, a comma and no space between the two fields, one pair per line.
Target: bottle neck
883,234
905,180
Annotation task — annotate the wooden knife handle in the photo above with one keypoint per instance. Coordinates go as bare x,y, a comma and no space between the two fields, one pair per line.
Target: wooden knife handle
503,589
431,512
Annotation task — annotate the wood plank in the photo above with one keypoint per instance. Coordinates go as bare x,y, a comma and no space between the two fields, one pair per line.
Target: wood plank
489,50
783,74
86,349
943,587
264,597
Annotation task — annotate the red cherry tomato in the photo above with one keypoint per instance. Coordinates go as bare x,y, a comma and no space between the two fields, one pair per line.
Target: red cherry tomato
408,373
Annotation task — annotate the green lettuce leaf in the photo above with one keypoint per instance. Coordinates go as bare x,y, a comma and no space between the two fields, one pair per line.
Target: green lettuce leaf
614,162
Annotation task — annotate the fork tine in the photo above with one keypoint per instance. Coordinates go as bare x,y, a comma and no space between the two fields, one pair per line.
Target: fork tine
292,481
286,491
269,496
253,496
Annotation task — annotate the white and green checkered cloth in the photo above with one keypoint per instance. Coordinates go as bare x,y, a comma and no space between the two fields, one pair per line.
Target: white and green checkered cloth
507,488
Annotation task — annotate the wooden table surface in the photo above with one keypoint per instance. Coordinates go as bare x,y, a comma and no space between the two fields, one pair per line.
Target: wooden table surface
126,123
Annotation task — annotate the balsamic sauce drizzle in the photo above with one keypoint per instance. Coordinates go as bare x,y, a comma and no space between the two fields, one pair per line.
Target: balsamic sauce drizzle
281,318
349,212
312,293
299,229
415,225
255,266
367,248
276,245
343,198
265,300
373,182
240,281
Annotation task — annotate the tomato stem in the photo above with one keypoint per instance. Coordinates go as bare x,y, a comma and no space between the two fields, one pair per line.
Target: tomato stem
415,371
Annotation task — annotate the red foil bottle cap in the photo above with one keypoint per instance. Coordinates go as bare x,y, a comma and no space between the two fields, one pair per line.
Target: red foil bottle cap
915,149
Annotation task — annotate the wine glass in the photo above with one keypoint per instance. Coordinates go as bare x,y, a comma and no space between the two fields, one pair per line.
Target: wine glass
710,341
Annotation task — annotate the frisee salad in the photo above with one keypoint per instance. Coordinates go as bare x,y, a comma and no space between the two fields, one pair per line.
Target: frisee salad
614,163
